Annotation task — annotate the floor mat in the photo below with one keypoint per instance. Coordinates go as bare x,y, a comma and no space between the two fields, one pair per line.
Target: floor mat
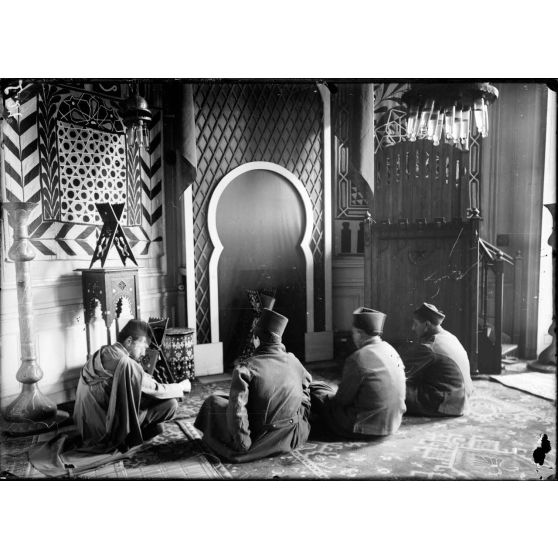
176,454
494,440
536,383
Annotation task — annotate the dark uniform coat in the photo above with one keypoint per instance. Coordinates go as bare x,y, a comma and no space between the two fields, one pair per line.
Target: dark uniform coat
438,376
370,400
267,409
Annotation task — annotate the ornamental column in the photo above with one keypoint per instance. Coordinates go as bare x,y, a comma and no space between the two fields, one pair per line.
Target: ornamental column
546,362
31,411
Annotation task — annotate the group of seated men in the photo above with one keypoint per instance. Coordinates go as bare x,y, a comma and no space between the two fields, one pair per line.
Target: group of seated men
273,402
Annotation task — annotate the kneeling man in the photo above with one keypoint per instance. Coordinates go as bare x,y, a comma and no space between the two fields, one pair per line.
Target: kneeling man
267,409
370,400
118,404
437,368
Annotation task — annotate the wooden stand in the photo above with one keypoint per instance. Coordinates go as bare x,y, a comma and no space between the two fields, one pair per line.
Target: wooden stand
108,286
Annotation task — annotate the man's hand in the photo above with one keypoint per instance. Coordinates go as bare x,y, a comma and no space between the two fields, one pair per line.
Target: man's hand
185,385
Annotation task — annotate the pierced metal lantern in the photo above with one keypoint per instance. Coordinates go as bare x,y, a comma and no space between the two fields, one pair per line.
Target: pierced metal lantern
137,116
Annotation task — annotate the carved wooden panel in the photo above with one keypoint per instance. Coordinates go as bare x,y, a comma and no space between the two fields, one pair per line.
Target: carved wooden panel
417,180
408,265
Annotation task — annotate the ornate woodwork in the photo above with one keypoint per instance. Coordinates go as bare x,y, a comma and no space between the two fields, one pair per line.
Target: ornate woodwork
434,262
108,286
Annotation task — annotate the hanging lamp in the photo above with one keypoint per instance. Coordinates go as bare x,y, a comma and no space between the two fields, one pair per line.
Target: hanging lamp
450,110
136,116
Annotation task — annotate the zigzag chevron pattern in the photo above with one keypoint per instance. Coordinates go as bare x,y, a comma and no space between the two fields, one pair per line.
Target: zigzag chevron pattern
20,160
31,174
48,154
133,216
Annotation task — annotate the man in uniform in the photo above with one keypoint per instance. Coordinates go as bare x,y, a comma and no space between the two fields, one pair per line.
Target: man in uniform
118,404
437,367
267,409
370,400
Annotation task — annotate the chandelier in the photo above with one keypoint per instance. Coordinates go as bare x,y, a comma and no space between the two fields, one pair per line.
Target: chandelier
136,117
453,110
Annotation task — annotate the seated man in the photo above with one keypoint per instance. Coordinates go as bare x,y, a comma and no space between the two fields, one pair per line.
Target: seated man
437,367
370,400
118,404
268,406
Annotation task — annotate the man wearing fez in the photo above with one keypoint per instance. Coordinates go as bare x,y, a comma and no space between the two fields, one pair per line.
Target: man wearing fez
370,400
118,404
267,409
437,367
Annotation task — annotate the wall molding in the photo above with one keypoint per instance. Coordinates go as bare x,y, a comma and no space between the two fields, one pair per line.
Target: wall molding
189,259
328,209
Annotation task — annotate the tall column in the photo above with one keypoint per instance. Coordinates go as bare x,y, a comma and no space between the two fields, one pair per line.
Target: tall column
31,411
546,361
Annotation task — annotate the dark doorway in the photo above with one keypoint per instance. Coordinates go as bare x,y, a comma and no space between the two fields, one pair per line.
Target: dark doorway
260,222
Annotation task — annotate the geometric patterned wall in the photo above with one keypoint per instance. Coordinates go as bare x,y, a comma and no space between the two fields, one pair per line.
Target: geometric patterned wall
351,201
96,174
68,151
244,122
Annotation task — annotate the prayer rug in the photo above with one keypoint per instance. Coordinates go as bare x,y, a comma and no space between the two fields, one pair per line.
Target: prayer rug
14,458
536,383
175,454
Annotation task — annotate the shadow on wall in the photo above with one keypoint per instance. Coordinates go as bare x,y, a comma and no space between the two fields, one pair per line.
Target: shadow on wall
69,382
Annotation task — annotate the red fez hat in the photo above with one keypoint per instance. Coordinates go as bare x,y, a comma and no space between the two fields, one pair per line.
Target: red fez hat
429,312
370,321
267,301
271,322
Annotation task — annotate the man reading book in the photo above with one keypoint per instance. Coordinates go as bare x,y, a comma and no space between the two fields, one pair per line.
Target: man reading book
118,404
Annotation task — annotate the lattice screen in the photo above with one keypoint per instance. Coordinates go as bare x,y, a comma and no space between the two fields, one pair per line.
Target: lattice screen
92,170
240,123
67,151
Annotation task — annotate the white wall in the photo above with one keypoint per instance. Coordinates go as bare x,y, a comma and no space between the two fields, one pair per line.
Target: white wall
59,322
546,302
348,290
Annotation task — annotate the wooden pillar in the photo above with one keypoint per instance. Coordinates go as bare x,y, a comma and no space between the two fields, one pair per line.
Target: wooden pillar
499,307
475,220
518,296
546,362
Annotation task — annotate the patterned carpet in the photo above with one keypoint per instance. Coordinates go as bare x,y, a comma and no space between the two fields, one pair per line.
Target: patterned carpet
177,454
495,440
